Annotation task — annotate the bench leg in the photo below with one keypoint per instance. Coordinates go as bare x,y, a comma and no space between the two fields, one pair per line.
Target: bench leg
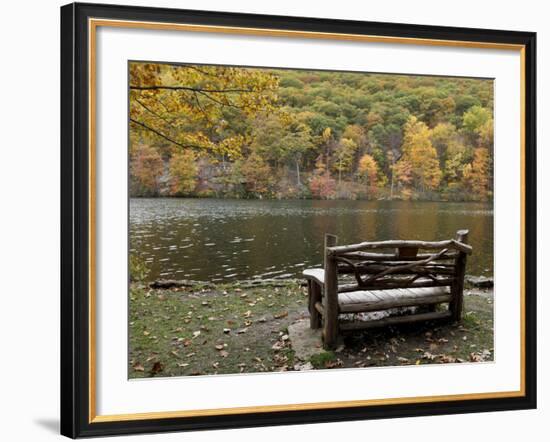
330,332
331,307
457,288
314,293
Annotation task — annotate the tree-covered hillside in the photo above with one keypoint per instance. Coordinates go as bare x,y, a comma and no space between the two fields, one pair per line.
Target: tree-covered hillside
213,131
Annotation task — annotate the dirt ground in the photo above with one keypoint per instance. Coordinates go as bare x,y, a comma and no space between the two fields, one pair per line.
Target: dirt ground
204,330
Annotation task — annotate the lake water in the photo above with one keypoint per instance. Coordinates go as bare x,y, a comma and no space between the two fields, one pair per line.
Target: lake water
228,240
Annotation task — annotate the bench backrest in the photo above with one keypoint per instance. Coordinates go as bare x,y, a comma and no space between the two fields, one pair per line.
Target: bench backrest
396,264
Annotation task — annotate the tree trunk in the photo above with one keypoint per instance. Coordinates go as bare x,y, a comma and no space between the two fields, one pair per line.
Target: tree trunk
391,185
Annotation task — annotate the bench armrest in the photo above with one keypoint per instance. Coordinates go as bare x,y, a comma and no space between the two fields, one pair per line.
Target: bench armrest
316,275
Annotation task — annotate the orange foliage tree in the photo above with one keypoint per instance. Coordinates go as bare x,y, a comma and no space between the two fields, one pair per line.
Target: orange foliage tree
321,184
146,168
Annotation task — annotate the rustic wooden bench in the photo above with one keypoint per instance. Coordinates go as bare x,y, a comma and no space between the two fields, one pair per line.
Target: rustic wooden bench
383,275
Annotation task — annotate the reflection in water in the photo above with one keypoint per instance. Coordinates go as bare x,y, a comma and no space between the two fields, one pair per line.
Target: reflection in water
226,240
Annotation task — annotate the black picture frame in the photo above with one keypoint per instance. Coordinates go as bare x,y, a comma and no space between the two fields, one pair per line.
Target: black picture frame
75,220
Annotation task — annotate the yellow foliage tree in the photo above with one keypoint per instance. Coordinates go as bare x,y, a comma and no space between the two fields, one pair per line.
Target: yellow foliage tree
185,105
368,169
476,174
419,156
345,152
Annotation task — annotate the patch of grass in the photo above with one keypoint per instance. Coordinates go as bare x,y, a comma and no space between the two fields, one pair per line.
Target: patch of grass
322,359
221,330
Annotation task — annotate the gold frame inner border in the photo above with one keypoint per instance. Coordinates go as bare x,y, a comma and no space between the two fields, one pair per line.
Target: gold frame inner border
93,24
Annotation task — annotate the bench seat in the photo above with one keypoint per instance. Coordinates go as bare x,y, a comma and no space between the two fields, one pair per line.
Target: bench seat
373,300
317,275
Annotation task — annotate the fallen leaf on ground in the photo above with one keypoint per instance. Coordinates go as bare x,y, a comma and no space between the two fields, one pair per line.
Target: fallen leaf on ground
428,355
157,368
447,359
334,364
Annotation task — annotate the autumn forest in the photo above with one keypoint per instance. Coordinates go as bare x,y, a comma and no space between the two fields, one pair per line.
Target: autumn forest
231,132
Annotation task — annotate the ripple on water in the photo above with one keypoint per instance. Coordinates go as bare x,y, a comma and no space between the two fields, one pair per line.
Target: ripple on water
198,238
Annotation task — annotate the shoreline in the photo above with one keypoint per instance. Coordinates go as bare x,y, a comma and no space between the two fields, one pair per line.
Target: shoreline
470,281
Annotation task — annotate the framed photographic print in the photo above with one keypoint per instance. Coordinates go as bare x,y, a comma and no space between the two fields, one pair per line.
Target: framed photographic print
274,220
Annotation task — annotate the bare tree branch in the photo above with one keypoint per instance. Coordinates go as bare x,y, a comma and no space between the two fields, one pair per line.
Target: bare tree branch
156,132
218,101
153,112
187,88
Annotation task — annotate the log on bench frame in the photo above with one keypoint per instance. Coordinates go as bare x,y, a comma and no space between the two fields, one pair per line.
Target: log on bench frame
402,277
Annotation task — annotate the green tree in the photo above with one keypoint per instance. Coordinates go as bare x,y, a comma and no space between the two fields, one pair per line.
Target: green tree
441,137
475,121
